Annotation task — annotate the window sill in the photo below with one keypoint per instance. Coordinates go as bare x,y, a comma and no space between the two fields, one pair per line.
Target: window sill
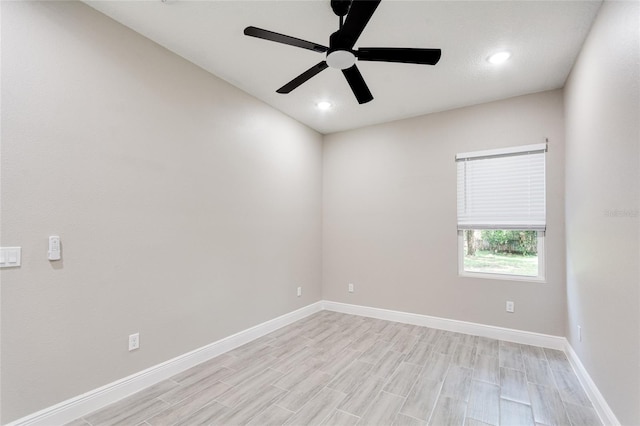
503,277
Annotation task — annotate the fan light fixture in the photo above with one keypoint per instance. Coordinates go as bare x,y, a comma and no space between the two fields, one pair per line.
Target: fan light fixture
341,59
499,57
324,105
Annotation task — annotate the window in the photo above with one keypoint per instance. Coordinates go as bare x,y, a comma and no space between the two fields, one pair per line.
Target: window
502,212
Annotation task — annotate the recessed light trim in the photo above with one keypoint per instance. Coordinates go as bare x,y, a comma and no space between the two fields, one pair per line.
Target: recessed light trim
324,105
499,57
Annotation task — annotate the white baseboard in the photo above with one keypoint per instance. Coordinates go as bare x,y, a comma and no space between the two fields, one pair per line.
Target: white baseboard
86,403
599,403
500,333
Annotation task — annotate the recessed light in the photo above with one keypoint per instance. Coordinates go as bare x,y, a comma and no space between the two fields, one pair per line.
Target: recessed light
324,105
499,57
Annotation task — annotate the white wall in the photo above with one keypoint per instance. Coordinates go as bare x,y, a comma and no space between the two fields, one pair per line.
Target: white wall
389,220
602,206
187,209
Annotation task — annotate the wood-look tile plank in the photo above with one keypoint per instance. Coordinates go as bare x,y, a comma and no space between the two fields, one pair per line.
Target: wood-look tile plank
511,357
302,392
250,407
340,361
457,383
242,362
533,352
388,364
431,335
377,325
134,409
331,339
515,413
404,420
413,329
448,411
403,342
468,340
271,416
375,352
547,405
422,398
513,385
351,377
582,416
181,391
558,360
570,388
202,369
291,329
403,379
286,364
358,401
437,366
538,371
240,376
295,376
204,416
484,402
487,347
383,410
364,342
321,332
446,345
506,343
419,353
340,418
189,405
318,408
468,421
464,356
78,422
392,331
487,369
329,353
245,390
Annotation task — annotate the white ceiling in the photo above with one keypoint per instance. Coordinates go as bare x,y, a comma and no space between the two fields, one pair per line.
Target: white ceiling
543,36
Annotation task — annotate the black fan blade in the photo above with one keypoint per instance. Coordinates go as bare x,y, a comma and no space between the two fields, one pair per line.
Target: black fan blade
284,39
359,14
303,77
397,54
359,87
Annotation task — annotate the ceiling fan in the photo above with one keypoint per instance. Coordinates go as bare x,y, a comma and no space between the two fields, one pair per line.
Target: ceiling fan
341,55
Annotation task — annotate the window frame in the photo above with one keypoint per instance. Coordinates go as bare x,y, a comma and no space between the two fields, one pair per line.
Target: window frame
479,220
541,277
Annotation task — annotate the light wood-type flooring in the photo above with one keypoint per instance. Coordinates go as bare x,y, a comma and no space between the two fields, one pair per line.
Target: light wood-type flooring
338,369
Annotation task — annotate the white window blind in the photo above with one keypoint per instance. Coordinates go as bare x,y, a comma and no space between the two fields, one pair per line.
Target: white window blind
502,189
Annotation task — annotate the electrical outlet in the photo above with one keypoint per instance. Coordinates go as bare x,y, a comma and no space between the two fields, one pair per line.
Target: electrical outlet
299,291
580,333
134,341
350,287
510,306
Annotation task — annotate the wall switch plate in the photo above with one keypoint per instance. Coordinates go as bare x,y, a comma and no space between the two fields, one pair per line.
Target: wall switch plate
350,287
510,306
134,341
54,248
299,291
10,257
